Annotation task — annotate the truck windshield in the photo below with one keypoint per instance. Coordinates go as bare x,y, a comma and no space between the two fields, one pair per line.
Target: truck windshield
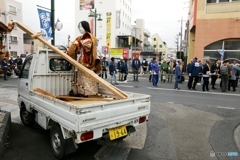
57,64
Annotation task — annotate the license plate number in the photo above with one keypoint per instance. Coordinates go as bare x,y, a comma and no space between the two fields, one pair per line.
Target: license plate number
117,132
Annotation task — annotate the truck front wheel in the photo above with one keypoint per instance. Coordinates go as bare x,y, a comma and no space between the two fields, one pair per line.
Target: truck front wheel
27,117
57,142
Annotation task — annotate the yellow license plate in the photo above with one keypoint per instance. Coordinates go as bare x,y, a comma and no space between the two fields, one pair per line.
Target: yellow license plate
117,132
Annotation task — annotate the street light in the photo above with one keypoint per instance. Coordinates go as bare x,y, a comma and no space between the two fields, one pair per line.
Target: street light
58,25
135,40
95,15
52,20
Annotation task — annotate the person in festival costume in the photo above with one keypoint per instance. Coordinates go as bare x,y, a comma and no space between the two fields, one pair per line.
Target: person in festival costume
84,50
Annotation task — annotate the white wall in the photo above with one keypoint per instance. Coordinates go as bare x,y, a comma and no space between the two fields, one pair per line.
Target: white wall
103,7
13,46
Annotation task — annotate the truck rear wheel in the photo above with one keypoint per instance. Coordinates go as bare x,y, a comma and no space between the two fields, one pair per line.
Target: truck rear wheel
27,118
57,141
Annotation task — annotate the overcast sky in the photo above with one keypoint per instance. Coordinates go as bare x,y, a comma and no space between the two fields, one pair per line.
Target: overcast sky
161,16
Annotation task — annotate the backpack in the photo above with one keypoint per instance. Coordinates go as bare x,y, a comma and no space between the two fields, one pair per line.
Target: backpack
224,70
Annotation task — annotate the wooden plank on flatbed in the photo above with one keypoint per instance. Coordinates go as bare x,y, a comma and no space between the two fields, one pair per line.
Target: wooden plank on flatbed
44,92
83,98
120,94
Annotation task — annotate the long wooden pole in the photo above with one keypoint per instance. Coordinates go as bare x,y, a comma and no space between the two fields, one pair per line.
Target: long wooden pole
120,94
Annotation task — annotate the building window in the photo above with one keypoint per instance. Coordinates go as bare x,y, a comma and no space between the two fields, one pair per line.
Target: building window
224,0
13,54
13,39
219,1
211,1
160,46
12,9
231,50
154,39
154,46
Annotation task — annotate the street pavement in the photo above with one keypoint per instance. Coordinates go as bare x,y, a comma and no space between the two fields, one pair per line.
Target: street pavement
183,124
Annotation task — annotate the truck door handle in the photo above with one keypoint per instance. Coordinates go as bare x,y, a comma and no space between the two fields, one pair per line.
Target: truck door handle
26,84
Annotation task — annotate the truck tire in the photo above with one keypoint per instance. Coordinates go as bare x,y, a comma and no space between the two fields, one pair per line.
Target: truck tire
57,141
27,118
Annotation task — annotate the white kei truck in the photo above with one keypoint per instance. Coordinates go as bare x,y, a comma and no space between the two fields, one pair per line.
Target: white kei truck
73,121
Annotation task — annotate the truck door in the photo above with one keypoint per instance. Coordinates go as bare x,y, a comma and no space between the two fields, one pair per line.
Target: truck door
24,79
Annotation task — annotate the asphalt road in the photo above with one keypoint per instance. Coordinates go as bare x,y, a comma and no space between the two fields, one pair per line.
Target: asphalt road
183,124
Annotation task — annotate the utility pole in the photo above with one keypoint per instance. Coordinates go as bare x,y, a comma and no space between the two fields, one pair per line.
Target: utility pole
135,41
52,21
6,23
181,36
177,41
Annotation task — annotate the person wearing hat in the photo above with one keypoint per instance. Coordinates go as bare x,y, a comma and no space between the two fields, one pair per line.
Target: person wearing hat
84,51
4,65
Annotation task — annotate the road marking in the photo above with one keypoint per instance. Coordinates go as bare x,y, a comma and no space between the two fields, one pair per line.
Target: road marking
224,107
170,102
125,86
191,91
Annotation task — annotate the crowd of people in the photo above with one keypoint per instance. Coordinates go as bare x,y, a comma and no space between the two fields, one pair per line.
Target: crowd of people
199,73
202,73
156,71
8,64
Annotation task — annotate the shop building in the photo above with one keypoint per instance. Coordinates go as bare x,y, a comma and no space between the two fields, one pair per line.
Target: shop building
214,29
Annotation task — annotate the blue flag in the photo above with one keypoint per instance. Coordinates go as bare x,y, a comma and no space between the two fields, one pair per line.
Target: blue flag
45,23
221,52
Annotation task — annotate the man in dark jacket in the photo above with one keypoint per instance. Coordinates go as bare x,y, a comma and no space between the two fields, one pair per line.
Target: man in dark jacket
206,73
120,69
135,67
104,67
113,71
150,70
4,65
214,73
125,70
194,70
144,65
19,62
